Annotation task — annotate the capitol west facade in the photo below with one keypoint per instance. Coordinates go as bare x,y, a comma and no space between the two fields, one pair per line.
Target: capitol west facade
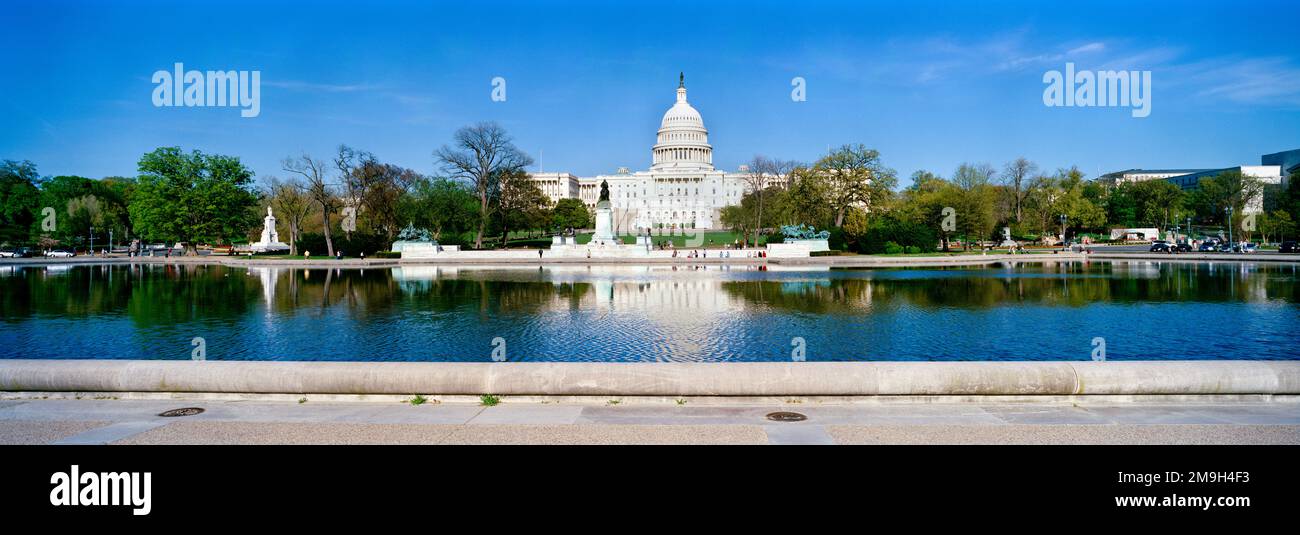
681,189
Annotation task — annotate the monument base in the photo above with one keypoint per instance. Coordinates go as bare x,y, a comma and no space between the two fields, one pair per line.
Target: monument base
274,247
604,226
418,250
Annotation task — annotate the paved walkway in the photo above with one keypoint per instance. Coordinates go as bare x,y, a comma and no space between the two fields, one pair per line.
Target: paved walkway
106,421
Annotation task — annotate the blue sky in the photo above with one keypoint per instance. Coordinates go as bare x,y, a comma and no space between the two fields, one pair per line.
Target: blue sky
930,85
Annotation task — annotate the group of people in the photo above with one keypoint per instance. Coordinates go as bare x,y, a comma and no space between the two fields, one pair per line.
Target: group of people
704,253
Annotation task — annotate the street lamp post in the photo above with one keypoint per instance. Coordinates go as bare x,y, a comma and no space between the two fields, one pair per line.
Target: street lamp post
1064,244
92,241
1229,223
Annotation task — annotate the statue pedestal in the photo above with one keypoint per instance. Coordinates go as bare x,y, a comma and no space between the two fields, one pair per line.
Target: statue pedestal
604,225
1006,238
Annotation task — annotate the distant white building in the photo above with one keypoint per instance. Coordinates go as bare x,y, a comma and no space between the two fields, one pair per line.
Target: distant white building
681,189
1190,179
1143,175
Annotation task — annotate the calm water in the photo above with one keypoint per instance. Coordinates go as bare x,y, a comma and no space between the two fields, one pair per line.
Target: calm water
579,313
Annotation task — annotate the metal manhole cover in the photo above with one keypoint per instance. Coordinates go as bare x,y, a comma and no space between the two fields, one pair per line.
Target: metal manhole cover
187,411
786,416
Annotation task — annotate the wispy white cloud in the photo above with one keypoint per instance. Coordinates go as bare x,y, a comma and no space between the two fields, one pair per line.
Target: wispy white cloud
1090,47
1268,80
938,61
1084,51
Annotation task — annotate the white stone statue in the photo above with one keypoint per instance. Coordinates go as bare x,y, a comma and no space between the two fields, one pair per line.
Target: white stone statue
270,238
1006,238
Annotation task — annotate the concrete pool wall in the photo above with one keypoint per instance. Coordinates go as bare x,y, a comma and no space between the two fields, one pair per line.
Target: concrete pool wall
756,379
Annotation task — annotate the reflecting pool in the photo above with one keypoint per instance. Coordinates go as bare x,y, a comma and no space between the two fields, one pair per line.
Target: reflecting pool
1029,311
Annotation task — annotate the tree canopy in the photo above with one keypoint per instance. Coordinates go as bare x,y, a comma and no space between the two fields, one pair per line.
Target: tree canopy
192,197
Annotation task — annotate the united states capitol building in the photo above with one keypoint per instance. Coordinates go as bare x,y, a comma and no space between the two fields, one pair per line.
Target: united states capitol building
681,189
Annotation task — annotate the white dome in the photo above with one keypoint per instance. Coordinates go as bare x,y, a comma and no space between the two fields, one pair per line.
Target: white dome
683,142
682,114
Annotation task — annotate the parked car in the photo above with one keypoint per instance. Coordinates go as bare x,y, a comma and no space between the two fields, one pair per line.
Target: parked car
1289,247
1250,248
1161,247
1208,247
1182,247
60,253
1226,248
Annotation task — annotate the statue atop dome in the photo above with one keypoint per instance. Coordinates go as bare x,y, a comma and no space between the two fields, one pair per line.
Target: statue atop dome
681,80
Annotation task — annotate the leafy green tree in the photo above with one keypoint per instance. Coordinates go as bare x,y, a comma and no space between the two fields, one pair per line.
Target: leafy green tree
1277,226
19,201
521,204
86,212
736,218
445,206
192,197
974,203
1080,211
925,201
570,213
808,199
1157,202
1121,207
764,209
855,177
57,193
1229,189
116,193
880,233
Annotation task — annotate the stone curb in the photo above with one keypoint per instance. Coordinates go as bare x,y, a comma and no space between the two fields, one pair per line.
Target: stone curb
1137,378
